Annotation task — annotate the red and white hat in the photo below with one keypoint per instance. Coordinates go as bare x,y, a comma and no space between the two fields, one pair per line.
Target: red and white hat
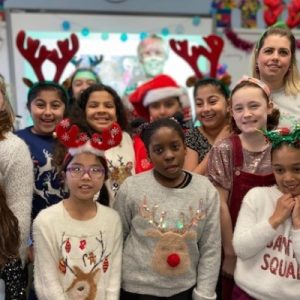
160,87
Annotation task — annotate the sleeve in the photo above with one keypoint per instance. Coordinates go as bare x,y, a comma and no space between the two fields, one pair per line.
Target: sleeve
122,207
18,183
210,250
296,243
220,164
46,258
113,288
251,236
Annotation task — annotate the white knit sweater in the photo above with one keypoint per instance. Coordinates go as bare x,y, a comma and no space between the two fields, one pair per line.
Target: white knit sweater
267,259
77,259
16,177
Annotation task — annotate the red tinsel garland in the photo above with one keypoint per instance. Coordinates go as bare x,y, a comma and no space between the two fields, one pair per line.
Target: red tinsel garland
243,44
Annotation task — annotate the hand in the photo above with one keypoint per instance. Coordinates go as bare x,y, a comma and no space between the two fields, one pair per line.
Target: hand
296,213
30,255
229,264
224,133
283,210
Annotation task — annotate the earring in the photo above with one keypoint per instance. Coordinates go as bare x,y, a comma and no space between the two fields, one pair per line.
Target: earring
256,68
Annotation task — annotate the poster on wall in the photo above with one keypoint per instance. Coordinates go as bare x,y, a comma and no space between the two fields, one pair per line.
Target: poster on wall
114,38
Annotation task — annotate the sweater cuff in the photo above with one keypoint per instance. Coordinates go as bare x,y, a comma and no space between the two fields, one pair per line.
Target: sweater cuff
198,296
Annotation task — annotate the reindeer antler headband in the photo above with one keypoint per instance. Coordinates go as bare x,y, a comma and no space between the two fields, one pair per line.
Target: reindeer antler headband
283,135
37,55
192,55
78,142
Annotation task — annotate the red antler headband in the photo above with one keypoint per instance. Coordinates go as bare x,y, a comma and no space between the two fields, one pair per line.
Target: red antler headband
37,55
79,142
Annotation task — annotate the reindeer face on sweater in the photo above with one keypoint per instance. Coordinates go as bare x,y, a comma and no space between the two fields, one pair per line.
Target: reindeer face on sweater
171,256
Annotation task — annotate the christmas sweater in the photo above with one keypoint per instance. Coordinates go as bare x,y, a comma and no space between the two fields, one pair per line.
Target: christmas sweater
77,259
171,236
267,259
121,163
47,188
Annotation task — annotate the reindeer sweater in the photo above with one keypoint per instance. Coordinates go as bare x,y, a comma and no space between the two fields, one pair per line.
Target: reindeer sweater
268,260
16,177
171,236
47,187
77,259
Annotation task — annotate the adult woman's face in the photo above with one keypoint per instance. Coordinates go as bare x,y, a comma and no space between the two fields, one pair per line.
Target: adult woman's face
274,58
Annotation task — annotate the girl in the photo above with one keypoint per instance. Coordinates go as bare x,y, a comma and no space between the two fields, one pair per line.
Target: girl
79,241
242,161
100,106
267,234
275,63
160,97
80,80
47,104
16,178
172,238
212,109
11,270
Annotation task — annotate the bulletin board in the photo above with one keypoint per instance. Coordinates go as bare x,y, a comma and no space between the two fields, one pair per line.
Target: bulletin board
116,37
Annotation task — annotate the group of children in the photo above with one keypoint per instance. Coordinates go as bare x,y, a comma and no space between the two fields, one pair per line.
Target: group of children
169,230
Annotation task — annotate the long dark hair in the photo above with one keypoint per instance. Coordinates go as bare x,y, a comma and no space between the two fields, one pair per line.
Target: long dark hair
9,231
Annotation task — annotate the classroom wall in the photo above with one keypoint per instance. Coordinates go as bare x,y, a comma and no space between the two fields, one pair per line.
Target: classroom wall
169,7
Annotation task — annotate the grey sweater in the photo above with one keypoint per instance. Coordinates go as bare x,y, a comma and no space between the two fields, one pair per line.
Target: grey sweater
171,236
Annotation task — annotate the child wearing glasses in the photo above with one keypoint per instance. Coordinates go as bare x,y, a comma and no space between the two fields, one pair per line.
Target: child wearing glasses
79,241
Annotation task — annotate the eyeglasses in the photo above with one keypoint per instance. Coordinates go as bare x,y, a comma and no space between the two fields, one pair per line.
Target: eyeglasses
93,172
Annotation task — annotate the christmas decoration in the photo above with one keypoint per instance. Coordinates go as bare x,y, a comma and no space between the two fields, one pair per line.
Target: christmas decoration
249,9
273,10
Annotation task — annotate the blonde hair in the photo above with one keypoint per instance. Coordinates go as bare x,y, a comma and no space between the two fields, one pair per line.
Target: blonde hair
7,116
292,77
152,38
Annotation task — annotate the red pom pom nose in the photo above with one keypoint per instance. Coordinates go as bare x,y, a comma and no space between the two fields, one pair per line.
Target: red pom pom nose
173,260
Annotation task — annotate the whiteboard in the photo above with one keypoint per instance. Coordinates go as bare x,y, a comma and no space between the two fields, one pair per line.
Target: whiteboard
48,28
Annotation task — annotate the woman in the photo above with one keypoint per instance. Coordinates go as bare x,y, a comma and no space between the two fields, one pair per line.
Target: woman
274,62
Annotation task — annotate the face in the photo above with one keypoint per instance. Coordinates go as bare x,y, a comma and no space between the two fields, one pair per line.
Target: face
164,108
286,168
167,152
211,107
250,109
46,110
80,84
84,187
274,58
100,110
153,57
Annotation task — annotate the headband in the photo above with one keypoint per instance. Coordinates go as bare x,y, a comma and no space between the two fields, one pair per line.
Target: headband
86,74
283,135
257,82
79,142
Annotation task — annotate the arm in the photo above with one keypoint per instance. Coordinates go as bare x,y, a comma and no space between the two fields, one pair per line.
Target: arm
17,169
191,159
210,250
251,236
46,259
296,228
114,285
122,207
226,233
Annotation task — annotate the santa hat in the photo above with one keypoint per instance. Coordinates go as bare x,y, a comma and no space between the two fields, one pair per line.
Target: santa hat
160,87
